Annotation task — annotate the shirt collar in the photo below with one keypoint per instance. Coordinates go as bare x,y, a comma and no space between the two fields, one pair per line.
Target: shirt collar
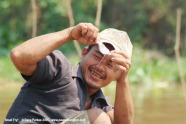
76,72
99,95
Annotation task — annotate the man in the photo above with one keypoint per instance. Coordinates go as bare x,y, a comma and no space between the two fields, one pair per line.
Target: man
55,91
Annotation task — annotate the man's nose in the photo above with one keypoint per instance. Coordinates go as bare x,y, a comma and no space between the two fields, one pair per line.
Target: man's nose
101,63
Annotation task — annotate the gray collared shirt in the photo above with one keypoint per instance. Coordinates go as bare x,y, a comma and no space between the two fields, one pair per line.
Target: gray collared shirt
55,91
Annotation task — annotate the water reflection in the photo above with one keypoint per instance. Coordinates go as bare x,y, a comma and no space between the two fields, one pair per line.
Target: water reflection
156,105
153,105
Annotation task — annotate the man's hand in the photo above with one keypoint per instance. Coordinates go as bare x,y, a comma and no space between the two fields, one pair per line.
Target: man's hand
121,65
85,33
26,56
123,106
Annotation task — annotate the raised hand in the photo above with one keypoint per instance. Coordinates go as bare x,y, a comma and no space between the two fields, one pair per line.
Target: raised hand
85,33
122,63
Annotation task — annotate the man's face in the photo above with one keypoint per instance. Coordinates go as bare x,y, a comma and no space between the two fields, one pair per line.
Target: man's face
97,69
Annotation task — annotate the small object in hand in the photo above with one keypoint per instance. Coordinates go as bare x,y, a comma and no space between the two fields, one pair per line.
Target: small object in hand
103,49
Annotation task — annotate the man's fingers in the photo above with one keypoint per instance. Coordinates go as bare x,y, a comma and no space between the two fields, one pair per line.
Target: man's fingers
94,36
85,33
120,67
84,29
92,33
124,54
122,61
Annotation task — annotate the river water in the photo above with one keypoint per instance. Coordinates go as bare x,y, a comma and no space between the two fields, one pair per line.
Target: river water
153,105
160,104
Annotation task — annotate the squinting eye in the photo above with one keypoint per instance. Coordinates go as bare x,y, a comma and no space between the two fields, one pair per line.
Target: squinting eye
109,65
97,58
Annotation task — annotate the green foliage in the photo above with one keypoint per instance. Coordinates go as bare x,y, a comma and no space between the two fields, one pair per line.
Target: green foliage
148,67
84,10
151,23
12,26
152,66
8,71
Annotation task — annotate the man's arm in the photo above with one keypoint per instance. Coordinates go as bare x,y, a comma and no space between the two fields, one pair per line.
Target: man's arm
123,107
26,56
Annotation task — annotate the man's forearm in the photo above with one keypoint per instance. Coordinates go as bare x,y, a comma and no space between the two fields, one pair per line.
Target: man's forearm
35,49
26,56
123,108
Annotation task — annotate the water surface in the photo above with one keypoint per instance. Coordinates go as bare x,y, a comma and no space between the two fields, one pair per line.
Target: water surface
160,104
157,105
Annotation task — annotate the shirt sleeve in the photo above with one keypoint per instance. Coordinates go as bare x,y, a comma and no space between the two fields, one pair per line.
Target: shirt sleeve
48,68
109,107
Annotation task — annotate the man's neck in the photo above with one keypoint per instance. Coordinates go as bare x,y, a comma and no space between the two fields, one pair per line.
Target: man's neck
91,91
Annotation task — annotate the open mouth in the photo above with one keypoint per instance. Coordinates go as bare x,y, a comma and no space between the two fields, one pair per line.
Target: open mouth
96,73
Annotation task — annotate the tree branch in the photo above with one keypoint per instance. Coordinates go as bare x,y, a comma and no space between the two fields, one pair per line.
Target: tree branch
71,19
34,18
177,52
98,14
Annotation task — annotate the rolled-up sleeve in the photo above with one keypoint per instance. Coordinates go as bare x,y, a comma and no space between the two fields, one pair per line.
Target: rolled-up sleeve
48,68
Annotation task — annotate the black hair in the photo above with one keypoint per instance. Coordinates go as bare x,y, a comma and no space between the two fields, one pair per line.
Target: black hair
90,47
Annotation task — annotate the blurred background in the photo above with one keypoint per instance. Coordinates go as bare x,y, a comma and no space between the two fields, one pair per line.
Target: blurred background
157,29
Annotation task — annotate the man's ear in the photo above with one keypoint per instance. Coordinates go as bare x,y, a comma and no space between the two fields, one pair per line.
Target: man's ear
84,52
